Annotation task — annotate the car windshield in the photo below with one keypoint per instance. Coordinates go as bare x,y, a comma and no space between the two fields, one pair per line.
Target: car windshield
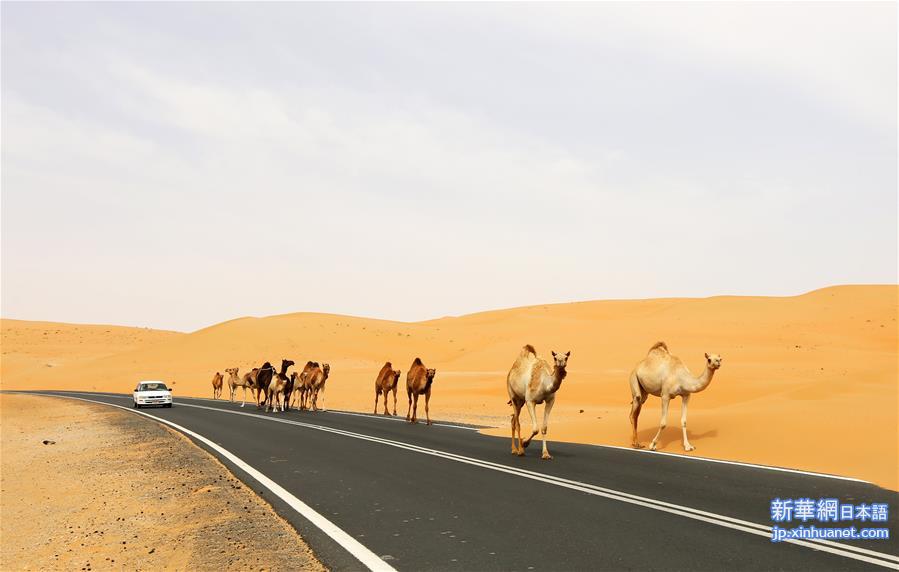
155,386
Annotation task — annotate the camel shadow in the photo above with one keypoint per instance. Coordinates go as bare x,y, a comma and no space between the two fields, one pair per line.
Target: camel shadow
671,436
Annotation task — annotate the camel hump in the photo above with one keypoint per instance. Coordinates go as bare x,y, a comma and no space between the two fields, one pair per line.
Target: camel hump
659,345
417,362
528,349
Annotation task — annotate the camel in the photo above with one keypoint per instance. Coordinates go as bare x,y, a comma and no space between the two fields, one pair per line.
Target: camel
665,376
276,388
315,383
385,383
418,381
217,385
289,387
249,380
263,379
532,381
234,381
304,387
296,391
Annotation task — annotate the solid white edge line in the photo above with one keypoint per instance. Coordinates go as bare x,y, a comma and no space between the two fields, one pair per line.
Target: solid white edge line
846,551
730,522
618,447
368,558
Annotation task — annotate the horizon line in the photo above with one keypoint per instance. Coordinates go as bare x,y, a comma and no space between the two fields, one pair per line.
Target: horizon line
452,316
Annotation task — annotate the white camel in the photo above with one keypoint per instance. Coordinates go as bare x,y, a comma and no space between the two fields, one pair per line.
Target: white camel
665,376
533,381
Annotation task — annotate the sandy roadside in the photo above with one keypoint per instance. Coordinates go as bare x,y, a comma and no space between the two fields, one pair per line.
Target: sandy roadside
117,491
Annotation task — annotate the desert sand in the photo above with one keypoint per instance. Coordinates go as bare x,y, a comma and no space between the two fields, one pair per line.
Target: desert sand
114,491
807,382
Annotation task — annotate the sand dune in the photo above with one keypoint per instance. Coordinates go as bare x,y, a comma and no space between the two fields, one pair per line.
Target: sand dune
807,382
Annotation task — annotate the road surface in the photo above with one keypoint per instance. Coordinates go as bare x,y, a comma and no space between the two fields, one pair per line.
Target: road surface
372,492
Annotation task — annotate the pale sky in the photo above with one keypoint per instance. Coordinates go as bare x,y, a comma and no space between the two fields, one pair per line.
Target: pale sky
178,165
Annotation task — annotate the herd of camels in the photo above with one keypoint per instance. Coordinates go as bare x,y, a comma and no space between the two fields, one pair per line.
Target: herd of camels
531,381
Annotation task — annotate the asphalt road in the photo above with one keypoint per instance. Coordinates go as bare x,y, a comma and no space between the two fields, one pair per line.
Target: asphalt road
447,498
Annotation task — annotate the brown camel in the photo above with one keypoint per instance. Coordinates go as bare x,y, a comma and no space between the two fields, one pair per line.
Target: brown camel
276,388
263,380
418,381
217,385
296,389
315,383
249,380
304,386
385,383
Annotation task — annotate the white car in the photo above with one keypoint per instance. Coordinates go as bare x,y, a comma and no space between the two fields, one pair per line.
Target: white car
152,393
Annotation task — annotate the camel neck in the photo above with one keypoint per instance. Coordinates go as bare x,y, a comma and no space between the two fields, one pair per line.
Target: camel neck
559,374
703,381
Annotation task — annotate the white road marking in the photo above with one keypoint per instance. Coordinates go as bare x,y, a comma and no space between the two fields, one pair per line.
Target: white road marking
403,419
618,447
738,463
845,550
368,558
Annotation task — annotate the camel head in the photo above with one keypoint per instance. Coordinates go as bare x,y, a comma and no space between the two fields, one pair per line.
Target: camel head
561,359
285,363
396,375
326,368
430,373
293,376
231,370
713,361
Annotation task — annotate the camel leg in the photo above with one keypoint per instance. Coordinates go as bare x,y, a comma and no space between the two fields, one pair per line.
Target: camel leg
517,449
662,423
427,409
244,396
683,421
409,408
415,410
377,393
636,405
532,412
546,409
638,396
394,402
323,398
